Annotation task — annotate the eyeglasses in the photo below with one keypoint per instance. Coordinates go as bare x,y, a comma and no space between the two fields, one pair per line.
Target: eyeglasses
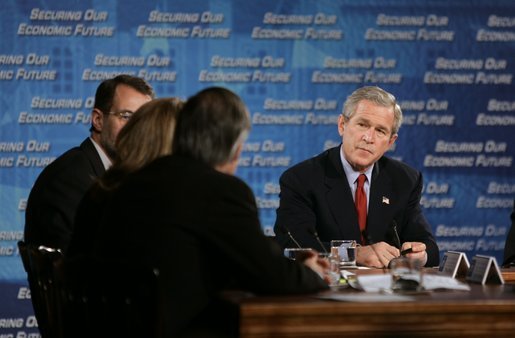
124,115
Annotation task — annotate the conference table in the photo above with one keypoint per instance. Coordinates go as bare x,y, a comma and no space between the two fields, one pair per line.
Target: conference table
484,311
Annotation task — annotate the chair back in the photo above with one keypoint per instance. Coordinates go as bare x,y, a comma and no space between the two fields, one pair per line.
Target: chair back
39,262
102,298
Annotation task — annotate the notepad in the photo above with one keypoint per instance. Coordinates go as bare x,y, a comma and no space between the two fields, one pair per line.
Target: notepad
382,282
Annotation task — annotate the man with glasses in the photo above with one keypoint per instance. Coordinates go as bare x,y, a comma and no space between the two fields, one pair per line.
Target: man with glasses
59,188
355,192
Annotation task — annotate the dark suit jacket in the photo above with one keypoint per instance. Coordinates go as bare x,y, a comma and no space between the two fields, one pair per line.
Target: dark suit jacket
87,219
509,246
315,194
54,197
200,228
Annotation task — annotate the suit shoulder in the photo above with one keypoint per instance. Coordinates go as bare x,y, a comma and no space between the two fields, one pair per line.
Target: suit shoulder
75,165
225,182
77,156
398,168
69,161
73,154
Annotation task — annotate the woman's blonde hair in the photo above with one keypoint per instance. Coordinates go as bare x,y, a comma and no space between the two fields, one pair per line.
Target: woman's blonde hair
147,136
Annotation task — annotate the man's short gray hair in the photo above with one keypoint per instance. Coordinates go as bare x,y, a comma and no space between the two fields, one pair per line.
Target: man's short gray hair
211,125
378,96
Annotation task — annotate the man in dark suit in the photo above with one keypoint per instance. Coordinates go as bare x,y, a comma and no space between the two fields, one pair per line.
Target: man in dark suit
59,188
509,246
317,195
188,216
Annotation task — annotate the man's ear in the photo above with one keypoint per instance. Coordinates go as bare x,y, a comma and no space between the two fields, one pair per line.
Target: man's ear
231,166
392,140
237,153
97,120
341,124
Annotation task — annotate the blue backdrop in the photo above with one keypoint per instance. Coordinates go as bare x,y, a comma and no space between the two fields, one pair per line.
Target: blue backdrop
450,64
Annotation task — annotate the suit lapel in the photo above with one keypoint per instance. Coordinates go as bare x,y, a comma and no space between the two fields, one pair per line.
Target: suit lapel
339,198
380,201
93,156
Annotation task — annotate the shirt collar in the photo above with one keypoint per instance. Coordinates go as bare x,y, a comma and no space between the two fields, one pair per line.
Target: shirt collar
352,175
103,156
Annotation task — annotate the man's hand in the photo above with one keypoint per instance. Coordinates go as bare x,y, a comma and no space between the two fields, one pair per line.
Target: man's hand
319,265
418,251
377,255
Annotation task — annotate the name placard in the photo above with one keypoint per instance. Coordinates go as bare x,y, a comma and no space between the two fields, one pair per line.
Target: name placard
454,264
484,269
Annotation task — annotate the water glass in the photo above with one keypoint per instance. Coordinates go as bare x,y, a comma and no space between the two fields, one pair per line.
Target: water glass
407,274
345,250
334,268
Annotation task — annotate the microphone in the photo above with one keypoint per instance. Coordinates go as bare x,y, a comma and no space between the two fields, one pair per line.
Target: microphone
314,232
285,230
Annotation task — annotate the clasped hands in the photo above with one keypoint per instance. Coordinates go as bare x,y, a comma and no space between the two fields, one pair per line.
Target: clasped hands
376,255
379,255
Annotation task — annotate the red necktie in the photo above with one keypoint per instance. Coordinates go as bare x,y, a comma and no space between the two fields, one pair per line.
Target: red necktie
361,204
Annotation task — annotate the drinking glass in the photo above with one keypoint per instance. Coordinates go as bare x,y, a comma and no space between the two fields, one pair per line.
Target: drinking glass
345,250
334,268
407,274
